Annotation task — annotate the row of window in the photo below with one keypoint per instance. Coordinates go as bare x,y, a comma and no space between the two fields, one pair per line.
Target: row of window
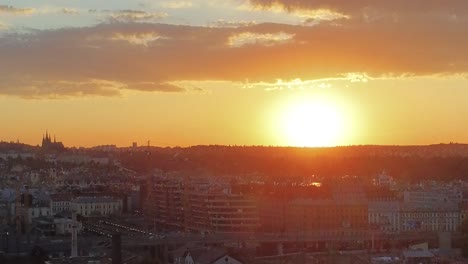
87,213
60,209
109,206
60,203
35,213
431,227
430,214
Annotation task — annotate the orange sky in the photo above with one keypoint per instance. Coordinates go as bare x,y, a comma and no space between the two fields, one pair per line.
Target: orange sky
229,72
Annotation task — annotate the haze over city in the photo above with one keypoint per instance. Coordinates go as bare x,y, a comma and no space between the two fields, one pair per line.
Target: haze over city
258,72
233,131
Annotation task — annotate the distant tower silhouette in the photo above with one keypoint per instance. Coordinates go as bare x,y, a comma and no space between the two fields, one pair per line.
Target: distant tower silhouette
48,145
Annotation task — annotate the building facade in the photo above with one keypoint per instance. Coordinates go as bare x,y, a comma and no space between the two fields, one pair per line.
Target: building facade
39,211
97,206
326,218
60,203
429,217
384,216
231,213
195,208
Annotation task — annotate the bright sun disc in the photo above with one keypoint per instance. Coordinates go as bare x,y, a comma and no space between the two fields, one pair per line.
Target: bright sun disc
312,124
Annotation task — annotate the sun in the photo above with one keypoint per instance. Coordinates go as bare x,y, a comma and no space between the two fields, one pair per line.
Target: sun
312,123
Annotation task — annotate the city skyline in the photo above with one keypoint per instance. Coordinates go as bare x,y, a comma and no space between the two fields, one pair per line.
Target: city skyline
238,72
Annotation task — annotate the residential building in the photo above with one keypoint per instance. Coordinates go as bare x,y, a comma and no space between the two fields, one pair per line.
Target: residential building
429,216
195,207
326,218
97,206
231,213
384,216
166,203
39,210
272,214
60,203
431,194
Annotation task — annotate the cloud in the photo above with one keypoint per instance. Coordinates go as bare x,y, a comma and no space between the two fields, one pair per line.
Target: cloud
3,26
70,11
298,84
231,24
152,87
265,39
129,15
346,6
38,11
15,10
372,10
308,16
173,4
53,89
319,15
36,89
137,38
295,84
109,58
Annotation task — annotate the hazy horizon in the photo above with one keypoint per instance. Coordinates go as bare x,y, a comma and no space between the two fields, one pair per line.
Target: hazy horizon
162,145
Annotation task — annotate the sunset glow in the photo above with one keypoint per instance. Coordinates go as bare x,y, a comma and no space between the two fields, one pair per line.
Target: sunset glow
175,71
312,124
233,131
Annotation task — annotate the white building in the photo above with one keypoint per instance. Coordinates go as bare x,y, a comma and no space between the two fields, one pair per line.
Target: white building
384,179
39,211
77,182
423,195
385,215
60,203
433,216
97,206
